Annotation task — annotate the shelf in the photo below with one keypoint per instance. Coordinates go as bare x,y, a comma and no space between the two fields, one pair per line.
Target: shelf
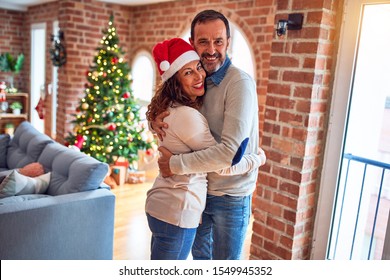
8,117
12,116
18,94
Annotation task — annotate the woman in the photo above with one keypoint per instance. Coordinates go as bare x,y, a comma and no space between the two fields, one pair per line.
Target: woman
174,204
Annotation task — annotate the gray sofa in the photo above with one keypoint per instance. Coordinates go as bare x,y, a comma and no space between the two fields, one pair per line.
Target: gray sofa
73,219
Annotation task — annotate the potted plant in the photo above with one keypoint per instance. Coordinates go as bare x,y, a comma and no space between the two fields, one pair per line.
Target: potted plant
9,128
11,64
16,107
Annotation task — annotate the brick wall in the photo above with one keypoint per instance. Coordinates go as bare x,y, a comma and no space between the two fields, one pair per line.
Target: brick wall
13,40
293,75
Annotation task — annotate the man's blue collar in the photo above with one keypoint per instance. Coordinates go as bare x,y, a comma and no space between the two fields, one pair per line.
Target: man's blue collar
218,76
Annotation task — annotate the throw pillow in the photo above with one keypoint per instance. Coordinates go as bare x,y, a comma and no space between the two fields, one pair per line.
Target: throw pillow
18,184
33,169
4,141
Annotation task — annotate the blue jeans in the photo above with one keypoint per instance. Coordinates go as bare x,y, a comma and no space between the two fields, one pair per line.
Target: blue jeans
170,242
221,234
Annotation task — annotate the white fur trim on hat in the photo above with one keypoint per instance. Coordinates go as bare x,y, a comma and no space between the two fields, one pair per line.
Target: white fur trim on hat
182,60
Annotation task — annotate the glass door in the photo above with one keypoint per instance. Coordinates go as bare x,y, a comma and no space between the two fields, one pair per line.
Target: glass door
363,197
354,202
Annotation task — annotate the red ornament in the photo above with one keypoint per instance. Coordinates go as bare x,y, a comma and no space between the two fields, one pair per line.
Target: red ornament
126,95
79,141
111,126
114,60
149,152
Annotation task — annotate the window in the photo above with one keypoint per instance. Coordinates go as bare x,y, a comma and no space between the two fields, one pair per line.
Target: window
143,80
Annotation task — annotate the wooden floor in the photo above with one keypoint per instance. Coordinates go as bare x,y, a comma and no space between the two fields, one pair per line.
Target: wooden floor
131,233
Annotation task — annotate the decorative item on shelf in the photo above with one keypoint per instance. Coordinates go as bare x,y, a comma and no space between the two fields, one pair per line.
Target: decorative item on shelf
16,107
3,95
9,128
3,107
11,64
58,50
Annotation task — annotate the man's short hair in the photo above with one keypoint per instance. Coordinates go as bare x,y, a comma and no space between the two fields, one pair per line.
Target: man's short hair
209,15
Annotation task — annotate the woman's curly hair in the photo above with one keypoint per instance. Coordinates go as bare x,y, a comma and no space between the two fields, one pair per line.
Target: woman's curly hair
167,95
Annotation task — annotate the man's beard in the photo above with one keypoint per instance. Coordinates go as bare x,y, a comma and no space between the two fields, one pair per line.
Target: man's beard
213,65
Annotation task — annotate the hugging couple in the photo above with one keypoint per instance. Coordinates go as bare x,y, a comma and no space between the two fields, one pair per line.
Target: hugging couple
205,114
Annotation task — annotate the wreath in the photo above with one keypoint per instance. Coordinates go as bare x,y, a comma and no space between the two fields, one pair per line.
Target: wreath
58,52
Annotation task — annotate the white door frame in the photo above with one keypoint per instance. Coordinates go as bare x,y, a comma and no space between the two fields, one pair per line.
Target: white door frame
37,63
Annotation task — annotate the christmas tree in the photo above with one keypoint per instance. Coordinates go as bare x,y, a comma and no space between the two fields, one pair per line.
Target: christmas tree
107,125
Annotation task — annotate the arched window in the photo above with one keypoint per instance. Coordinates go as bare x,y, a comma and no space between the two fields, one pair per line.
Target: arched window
239,51
142,72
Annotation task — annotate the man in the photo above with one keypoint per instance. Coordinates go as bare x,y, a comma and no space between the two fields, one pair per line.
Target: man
231,109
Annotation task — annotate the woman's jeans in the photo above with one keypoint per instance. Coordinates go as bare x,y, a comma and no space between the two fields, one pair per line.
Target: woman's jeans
170,242
221,234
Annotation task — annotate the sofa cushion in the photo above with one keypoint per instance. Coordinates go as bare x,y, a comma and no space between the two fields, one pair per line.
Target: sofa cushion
4,141
26,146
49,153
73,171
18,184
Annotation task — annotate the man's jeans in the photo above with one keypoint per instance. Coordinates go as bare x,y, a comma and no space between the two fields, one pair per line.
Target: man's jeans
221,234
170,242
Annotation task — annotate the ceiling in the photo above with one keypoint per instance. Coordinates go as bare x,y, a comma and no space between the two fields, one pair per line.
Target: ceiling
22,5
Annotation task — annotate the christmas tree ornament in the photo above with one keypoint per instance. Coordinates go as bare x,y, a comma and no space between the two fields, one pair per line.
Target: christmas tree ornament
126,95
84,106
79,141
111,126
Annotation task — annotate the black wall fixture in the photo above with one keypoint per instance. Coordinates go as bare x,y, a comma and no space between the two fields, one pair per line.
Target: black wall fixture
294,22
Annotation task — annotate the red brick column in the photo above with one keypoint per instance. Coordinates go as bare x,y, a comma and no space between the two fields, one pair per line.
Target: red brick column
298,93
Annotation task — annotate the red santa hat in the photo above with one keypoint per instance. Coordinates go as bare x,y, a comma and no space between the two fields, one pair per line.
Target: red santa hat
171,55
